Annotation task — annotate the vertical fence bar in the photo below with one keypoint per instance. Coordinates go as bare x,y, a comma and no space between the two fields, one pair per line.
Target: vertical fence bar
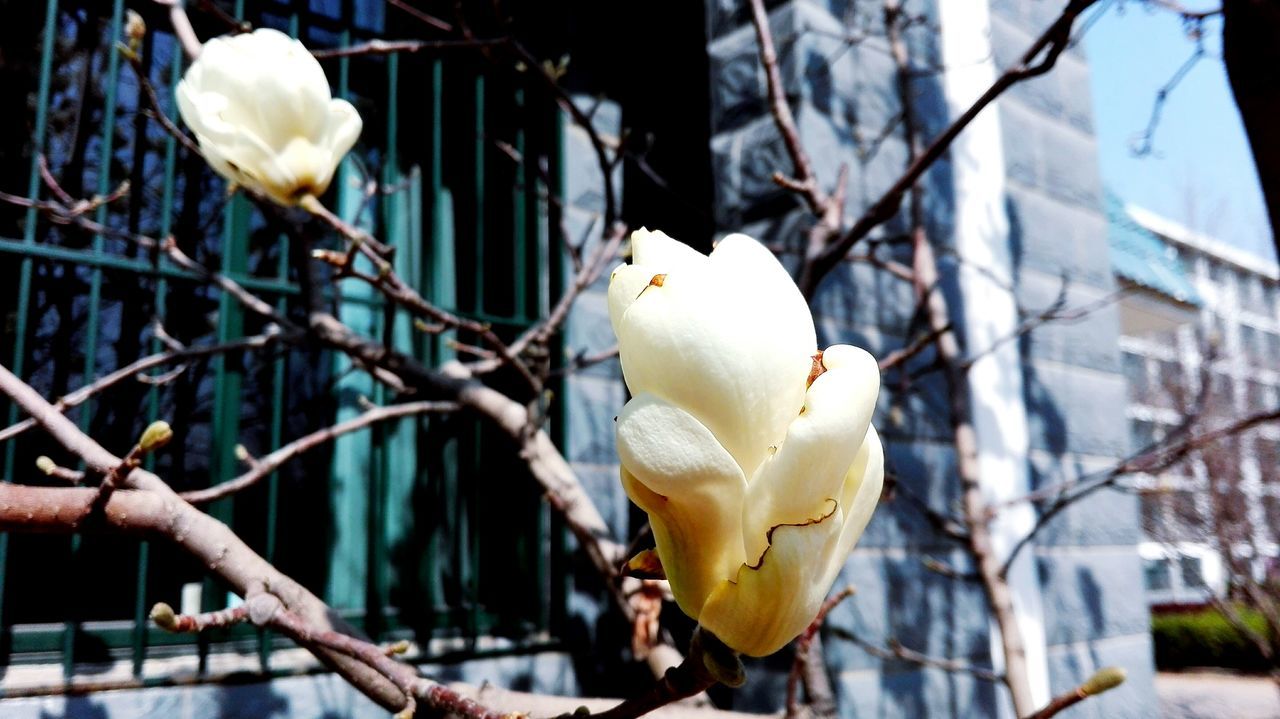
140,609
278,379
478,189
17,363
439,272
95,292
519,229
560,576
225,418
228,378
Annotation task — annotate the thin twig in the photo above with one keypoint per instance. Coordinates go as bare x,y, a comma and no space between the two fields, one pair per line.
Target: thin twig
895,650
1037,60
264,466
132,369
802,663
393,47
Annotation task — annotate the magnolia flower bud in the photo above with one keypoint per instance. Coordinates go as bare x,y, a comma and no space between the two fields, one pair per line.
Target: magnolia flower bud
259,105
752,452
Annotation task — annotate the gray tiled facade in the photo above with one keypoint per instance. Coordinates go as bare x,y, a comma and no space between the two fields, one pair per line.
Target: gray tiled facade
1088,571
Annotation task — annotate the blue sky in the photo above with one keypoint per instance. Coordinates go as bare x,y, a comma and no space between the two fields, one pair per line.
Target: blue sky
1200,172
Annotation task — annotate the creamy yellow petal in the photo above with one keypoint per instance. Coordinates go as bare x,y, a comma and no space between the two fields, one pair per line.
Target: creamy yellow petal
770,603
677,472
858,500
710,345
809,467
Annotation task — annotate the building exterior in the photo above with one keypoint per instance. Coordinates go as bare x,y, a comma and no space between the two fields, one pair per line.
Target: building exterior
1017,206
1201,340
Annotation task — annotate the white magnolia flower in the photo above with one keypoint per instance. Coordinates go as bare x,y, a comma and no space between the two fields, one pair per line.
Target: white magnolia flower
260,106
758,478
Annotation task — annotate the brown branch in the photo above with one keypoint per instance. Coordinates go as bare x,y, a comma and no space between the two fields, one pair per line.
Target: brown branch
395,289
1153,459
803,180
165,618
895,650
587,274
918,345
454,382
1144,143
182,27
392,47
1057,311
1037,60
153,99
691,677
157,510
809,666
431,20
143,364
582,360
1104,679
264,466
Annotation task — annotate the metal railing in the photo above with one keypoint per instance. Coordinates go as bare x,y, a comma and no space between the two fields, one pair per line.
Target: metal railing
393,539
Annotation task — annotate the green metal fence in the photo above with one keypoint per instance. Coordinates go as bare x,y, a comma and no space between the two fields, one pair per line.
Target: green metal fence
416,528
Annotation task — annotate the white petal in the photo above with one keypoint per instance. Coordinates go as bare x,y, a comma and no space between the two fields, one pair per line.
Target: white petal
809,468
711,346
625,285
754,265
343,128
667,448
772,602
260,106
656,248
692,489
859,498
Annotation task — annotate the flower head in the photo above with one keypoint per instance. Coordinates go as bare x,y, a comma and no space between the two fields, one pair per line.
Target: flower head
260,107
752,452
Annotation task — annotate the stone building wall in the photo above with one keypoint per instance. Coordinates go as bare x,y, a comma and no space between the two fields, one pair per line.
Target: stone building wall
844,96
1087,562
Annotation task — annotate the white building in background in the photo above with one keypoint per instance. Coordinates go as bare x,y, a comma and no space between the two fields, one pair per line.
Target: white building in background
1200,309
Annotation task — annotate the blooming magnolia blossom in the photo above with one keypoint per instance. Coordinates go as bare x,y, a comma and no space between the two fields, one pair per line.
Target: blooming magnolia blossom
260,107
752,452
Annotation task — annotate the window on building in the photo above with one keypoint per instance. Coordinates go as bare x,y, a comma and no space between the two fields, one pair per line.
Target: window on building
1266,453
1192,572
1135,371
1220,402
1253,295
1250,344
1171,386
1158,574
1219,273
1186,510
1270,350
1271,509
1142,433
1151,507
1257,396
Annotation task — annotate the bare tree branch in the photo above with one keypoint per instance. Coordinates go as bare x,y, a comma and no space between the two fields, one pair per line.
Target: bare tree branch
270,463
1037,60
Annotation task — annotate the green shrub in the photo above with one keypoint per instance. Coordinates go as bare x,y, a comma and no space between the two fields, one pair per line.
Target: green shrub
1204,638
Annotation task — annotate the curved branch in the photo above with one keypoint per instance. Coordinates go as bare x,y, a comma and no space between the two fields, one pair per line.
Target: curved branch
1051,43
270,463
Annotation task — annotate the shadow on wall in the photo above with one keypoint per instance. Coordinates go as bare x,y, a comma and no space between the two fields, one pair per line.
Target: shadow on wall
78,708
